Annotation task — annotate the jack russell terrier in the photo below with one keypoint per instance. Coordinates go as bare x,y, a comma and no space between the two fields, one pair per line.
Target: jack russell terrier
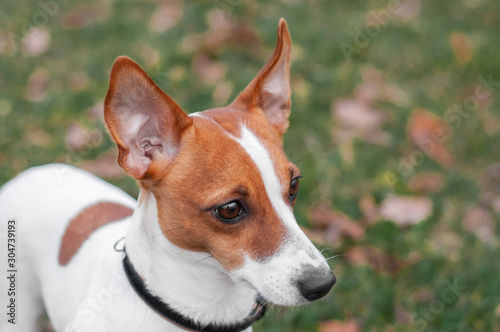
211,239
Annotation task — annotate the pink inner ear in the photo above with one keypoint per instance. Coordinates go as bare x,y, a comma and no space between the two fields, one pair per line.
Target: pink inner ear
270,89
142,119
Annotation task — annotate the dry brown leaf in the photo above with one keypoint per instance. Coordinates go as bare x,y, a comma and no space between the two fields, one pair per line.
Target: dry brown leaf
356,117
376,259
96,111
369,208
167,15
38,84
151,56
395,95
105,166
479,221
461,46
407,10
209,70
85,16
222,92
402,316
446,243
8,45
354,114
335,223
78,80
38,137
430,133
406,211
315,235
426,182
370,88
36,42
423,295
223,30
339,326
490,122
78,138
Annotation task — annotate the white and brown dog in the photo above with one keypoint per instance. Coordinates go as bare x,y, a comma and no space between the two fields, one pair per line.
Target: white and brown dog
211,239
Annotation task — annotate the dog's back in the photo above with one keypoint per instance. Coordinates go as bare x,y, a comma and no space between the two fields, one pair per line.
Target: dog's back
39,204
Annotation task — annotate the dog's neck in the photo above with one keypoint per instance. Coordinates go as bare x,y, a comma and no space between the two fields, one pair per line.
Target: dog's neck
192,283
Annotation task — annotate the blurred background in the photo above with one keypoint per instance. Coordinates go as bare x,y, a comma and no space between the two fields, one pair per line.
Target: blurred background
395,125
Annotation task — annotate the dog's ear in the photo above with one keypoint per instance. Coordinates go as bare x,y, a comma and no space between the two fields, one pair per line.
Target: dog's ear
146,124
269,91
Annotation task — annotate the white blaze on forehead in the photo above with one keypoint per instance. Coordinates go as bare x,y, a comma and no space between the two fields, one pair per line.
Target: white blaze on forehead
296,240
261,158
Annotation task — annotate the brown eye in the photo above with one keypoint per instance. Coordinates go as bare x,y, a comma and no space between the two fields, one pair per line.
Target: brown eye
294,189
230,212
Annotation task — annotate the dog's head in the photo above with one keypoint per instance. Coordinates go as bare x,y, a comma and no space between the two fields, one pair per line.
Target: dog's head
220,177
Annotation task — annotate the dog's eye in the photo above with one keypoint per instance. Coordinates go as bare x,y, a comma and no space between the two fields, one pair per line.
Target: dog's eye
230,212
294,189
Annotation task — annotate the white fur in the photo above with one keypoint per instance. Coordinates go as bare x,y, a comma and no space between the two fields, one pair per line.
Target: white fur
91,293
276,277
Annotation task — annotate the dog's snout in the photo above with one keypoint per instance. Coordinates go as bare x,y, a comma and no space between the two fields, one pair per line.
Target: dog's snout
315,283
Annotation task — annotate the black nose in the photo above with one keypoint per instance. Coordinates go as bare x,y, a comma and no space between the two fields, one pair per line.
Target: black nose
316,283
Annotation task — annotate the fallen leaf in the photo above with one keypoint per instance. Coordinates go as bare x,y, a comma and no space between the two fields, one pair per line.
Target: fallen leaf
208,70
223,30
406,211
356,117
38,137
78,80
369,90
151,56
85,16
96,111
336,224
354,114
167,15
339,326
369,208
423,295
402,316
446,243
461,46
38,84
35,42
407,10
480,222
78,138
222,92
376,259
8,45
315,235
105,166
395,95
426,182
490,122
430,133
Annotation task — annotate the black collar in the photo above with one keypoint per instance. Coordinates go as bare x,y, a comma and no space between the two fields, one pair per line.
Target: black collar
174,317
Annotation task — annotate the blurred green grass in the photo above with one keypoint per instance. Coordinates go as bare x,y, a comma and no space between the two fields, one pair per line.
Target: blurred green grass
412,53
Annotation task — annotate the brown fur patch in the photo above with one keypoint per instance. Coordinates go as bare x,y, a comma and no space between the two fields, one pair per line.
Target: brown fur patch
195,184
85,223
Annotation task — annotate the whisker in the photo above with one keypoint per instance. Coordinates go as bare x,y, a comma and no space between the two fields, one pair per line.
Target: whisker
167,231
201,260
334,256
325,249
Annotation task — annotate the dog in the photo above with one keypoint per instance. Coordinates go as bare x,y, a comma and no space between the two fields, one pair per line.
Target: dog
211,239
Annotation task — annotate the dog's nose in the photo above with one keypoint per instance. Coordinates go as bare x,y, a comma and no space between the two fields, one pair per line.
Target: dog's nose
316,283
